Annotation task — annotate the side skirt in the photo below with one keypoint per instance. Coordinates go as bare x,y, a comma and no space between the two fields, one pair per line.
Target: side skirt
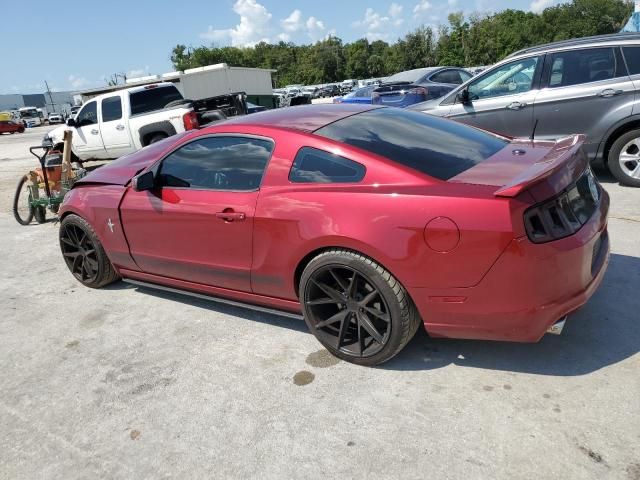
218,299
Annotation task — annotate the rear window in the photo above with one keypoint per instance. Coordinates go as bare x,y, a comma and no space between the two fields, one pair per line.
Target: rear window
438,147
153,99
409,75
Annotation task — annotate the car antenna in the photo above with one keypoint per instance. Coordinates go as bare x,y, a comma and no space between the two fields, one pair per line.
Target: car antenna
533,133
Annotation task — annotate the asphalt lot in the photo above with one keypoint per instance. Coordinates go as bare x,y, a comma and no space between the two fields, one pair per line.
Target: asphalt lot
126,382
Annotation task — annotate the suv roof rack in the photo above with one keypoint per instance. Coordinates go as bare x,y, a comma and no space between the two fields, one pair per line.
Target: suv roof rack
578,41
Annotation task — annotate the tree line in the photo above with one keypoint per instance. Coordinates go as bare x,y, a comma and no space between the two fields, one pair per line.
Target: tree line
480,39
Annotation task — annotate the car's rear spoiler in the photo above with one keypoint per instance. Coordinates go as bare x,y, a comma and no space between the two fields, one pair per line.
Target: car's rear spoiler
562,156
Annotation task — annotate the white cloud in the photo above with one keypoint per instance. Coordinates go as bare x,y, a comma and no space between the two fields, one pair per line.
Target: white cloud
452,3
293,22
314,28
77,82
421,7
138,72
253,28
537,6
379,26
395,10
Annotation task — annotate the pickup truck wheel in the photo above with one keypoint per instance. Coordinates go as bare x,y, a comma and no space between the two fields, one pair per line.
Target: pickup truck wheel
156,138
624,159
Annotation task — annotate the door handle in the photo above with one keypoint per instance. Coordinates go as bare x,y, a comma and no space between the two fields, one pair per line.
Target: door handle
95,132
230,216
119,127
609,92
516,106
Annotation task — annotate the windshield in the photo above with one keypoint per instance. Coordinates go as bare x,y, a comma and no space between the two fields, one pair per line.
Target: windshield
31,113
435,146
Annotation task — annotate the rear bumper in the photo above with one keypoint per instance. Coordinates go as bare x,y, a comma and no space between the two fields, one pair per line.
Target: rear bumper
528,289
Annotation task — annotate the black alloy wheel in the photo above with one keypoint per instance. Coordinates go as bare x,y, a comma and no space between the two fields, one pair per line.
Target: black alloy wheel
348,311
79,253
356,308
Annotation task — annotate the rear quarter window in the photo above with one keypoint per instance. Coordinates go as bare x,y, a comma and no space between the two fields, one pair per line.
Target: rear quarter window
152,99
431,145
317,166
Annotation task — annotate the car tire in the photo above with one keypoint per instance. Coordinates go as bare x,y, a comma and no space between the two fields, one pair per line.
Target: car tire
355,308
626,169
40,214
83,253
156,138
22,217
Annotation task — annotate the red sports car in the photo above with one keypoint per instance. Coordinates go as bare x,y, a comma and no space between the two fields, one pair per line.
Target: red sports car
8,126
367,220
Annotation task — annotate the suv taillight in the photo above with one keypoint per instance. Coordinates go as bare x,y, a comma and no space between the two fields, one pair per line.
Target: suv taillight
190,120
564,214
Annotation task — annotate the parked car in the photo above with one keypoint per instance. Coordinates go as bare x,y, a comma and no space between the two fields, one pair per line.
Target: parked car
252,108
121,122
329,91
587,85
360,95
440,220
9,126
55,118
418,85
311,92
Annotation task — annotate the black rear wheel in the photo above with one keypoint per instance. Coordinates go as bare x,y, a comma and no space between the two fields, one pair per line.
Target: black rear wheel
83,253
22,209
40,214
356,308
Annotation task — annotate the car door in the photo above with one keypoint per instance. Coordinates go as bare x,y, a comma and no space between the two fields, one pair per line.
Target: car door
584,91
501,100
86,138
197,224
115,134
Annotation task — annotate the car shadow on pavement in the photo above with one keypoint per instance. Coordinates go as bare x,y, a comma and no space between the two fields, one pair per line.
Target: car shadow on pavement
604,332
213,306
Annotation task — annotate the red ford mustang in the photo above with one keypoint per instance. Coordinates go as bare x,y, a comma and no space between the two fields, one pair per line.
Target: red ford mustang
370,221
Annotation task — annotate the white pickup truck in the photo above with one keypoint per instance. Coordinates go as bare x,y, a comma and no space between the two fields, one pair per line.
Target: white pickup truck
121,122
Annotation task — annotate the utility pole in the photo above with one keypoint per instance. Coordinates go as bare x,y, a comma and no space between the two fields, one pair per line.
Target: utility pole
53,107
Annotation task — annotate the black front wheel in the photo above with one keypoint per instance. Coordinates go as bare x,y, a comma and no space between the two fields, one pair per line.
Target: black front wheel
83,253
356,308
22,209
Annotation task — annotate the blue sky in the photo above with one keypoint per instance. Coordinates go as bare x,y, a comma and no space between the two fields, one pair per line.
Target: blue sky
75,44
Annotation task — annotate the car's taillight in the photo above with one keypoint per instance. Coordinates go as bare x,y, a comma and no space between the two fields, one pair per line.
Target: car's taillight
564,214
418,91
190,120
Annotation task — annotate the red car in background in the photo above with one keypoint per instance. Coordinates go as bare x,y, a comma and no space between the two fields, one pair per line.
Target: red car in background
368,220
7,126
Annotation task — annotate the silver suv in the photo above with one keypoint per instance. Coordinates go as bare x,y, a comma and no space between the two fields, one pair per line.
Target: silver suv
587,85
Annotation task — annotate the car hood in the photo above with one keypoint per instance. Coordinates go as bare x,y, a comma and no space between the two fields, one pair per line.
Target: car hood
122,170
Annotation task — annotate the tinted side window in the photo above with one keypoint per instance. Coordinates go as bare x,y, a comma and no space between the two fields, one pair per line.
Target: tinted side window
435,146
220,163
317,166
152,99
632,56
88,115
447,76
582,66
465,76
111,109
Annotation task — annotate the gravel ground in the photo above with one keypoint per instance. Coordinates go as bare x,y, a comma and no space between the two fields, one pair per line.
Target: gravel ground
126,382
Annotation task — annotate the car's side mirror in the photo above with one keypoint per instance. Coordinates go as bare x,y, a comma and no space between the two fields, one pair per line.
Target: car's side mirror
71,122
463,97
144,181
